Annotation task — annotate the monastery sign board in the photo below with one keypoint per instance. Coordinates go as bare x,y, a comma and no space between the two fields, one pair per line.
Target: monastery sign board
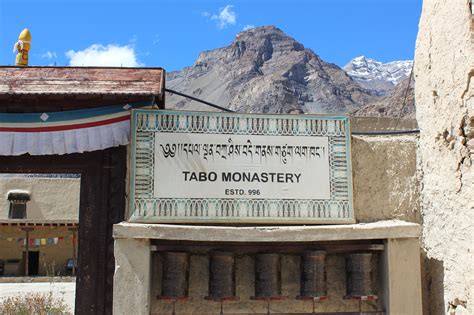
202,167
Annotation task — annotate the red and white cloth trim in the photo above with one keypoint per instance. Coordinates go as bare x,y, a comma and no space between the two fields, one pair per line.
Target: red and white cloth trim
65,132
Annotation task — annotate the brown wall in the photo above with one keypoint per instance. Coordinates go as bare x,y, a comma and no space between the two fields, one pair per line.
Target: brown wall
51,257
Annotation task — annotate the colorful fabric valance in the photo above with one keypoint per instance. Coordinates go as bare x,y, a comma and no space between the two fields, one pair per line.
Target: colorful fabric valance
66,132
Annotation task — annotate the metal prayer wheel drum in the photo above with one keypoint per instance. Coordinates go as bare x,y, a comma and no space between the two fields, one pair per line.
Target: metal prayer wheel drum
359,271
221,275
313,274
175,274
267,275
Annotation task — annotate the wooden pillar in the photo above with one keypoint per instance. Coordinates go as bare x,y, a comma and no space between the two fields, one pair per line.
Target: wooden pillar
27,248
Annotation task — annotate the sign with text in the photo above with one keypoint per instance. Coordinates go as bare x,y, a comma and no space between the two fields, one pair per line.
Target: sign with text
193,167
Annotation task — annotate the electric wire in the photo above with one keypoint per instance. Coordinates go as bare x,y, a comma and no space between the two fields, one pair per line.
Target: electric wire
405,97
359,133
199,100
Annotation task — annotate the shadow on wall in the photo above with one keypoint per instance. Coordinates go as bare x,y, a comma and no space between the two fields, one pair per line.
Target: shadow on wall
433,286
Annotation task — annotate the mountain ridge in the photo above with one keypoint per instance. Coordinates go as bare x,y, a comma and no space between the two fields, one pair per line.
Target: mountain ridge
377,76
265,70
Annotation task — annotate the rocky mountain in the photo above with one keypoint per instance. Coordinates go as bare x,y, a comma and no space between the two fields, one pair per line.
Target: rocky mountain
378,77
265,70
392,104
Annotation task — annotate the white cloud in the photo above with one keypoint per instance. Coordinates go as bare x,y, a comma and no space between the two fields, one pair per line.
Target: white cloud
105,56
156,39
248,26
49,55
134,39
225,17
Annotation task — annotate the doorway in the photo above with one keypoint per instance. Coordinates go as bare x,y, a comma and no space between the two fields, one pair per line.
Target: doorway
102,204
33,263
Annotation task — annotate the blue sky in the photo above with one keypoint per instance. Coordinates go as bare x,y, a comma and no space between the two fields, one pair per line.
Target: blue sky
170,34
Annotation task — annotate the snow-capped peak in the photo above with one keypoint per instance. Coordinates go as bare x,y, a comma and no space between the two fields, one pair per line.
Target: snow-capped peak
366,69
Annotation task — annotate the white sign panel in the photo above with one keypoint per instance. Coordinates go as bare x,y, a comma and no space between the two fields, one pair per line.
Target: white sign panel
256,167
240,168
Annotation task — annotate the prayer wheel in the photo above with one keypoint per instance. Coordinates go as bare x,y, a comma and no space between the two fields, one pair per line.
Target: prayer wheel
267,276
175,275
313,274
359,272
221,275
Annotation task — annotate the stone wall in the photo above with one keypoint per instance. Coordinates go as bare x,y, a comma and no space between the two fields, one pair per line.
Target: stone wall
445,112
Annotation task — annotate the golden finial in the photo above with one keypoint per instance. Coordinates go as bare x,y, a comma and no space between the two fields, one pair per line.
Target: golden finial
22,47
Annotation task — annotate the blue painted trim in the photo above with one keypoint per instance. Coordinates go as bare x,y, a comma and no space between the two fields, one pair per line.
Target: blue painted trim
68,115
350,186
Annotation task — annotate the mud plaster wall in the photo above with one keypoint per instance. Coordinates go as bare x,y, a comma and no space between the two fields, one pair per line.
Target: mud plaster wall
52,257
51,198
444,95
385,180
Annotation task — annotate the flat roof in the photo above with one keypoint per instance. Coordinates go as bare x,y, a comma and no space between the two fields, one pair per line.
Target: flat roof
81,80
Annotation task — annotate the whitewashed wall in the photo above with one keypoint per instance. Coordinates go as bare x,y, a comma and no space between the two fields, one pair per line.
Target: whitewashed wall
52,199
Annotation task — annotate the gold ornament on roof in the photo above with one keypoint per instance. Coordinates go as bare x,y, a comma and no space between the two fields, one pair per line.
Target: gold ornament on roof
22,47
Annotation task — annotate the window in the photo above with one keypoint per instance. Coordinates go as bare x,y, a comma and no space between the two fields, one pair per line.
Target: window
17,210
18,199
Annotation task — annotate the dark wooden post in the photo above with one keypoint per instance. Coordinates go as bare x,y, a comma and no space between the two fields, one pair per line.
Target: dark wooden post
27,248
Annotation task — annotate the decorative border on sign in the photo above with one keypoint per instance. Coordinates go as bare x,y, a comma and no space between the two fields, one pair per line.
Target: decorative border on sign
224,209
146,208
241,124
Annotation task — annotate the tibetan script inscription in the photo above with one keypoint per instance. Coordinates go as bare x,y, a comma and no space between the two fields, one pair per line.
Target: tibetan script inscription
240,168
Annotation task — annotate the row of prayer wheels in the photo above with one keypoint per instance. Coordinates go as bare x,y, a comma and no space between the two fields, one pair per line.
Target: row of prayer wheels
313,282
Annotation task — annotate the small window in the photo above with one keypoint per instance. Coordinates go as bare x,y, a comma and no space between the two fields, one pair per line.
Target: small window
17,210
18,199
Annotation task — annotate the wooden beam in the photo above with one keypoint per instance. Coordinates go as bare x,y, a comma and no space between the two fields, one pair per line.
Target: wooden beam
81,80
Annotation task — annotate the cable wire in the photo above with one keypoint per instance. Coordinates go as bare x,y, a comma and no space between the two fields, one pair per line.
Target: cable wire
199,100
357,133
406,94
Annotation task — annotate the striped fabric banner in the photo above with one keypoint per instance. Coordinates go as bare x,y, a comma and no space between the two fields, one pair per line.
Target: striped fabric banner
66,132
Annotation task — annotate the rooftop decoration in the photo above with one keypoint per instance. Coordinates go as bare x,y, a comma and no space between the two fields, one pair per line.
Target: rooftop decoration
22,47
